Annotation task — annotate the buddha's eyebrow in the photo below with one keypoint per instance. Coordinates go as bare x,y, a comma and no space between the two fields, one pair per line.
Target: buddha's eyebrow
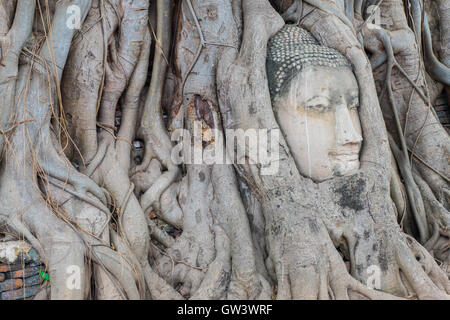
317,100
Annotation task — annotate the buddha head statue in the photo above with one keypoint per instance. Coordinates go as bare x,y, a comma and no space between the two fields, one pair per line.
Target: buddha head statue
315,97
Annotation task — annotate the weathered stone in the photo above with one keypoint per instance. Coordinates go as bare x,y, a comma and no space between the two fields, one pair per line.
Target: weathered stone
31,281
319,118
11,284
10,251
22,293
10,267
27,272
32,256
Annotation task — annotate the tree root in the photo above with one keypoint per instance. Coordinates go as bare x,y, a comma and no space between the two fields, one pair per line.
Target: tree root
437,70
152,129
313,269
11,47
215,282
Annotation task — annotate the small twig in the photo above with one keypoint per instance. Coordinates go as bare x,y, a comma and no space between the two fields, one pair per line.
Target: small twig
158,43
401,155
429,166
203,43
179,261
3,132
200,47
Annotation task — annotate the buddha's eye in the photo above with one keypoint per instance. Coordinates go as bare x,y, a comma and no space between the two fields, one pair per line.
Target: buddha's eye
318,108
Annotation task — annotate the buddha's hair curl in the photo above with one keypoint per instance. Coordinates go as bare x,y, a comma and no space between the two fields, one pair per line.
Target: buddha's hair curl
290,50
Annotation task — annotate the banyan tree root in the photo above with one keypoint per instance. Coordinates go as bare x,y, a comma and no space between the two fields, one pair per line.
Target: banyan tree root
415,118
125,74
58,224
211,192
12,38
25,208
444,24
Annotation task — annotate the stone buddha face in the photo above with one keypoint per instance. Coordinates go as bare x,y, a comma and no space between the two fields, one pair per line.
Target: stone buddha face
315,98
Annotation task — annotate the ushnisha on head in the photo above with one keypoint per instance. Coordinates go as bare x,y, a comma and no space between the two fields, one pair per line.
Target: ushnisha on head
291,50
315,97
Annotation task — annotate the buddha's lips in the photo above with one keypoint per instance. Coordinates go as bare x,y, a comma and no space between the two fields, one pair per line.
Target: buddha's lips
350,155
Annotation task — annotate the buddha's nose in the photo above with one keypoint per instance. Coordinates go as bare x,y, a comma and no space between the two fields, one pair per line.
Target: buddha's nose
346,132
